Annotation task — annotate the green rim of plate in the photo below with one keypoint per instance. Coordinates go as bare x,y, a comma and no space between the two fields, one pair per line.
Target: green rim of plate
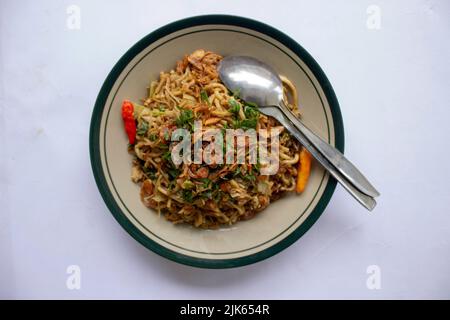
94,136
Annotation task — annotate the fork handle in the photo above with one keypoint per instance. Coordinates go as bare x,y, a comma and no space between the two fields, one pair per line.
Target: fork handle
367,201
334,156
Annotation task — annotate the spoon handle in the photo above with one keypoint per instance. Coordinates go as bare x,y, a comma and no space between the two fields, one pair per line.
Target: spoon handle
334,156
367,201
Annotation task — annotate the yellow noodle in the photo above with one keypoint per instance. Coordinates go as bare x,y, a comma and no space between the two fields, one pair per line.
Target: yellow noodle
205,196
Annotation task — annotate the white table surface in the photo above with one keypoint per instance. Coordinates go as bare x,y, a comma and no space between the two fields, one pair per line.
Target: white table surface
393,87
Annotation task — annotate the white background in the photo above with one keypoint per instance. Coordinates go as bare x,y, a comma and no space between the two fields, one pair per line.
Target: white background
393,88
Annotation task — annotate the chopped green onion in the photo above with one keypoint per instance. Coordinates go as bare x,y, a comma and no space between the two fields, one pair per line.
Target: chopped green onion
142,128
204,96
187,195
234,106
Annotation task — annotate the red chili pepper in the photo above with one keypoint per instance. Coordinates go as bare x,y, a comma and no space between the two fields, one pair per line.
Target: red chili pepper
128,120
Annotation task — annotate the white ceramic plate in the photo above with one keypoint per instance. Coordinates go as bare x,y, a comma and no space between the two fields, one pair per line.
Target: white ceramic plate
274,229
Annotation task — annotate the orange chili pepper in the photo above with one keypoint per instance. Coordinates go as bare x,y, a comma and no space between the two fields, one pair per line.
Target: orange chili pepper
304,170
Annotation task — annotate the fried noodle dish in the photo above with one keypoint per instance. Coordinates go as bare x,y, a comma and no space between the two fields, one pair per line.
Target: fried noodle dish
206,196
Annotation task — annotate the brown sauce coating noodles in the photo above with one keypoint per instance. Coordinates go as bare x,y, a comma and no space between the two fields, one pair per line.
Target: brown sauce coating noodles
205,196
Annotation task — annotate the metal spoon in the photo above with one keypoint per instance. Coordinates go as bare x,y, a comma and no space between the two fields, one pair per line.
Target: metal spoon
259,83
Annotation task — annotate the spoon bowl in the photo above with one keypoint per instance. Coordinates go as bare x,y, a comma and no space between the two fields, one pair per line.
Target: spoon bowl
257,82
252,79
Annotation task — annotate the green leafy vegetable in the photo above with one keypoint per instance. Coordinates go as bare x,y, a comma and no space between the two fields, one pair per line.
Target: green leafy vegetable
249,177
187,195
250,121
251,104
173,173
150,173
204,96
167,156
142,128
234,106
206,182
251,112
245,124
186,119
